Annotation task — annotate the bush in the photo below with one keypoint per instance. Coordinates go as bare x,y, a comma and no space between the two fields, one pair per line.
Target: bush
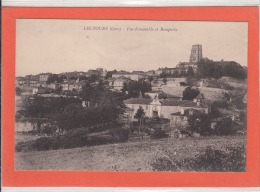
220,104
43,144
163,164
234,160
120,134
224,127
159,133
73,140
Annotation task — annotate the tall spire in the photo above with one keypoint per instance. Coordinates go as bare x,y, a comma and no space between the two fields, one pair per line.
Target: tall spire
140,95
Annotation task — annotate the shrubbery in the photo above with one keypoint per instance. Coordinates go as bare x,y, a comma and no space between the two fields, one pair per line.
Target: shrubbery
159,133
212,160
224,127
74,140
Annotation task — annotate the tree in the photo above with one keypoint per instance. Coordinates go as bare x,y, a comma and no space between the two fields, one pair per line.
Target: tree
109,74
61,78
93,78
217,72
224,126
190,94
190,72
165,80
70,117
199,123
18,91
52,78
81,78
150,78
125,87
134,88
87,92
140,116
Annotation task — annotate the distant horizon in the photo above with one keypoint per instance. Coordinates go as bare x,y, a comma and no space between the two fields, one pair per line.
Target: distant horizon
59,46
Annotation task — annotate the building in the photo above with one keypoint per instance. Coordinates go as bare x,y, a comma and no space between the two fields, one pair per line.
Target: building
93,72
131,76
152,107
44,77
195,57
196,53
118,83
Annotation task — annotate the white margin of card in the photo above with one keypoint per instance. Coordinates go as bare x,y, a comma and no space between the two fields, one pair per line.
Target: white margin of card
126,3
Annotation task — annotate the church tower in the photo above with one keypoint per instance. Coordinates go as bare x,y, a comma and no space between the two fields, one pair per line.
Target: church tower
196,53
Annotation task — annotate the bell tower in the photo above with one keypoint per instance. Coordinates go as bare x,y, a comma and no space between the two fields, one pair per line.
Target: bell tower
196,53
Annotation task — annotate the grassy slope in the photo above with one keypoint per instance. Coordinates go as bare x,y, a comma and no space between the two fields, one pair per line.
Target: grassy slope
130,156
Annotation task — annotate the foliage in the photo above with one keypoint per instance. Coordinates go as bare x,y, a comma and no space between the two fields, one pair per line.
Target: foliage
18,91
234,160
215,113
243,117
165,80
209,68
150,78
190,94
93,78
109,74
163,164
140,113
199,123
221,104
224,127
78,139
55,78
190,72
159,133
134,88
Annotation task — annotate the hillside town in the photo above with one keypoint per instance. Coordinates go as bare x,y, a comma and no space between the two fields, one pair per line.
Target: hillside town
197,97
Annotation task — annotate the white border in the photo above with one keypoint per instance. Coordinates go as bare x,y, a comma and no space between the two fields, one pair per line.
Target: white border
126,3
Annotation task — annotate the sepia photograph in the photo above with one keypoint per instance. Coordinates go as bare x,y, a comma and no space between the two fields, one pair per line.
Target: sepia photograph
131,95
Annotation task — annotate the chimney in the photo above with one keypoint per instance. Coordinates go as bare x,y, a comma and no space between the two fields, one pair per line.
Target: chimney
182,111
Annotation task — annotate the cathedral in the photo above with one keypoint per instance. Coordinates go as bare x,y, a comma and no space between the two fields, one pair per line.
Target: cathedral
195,57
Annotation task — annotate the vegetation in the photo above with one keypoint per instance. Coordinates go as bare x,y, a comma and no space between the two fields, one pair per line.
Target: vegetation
224,127
135,87
199,123
233,159
209,68
55,78
77,139
190,94
68,113
18,91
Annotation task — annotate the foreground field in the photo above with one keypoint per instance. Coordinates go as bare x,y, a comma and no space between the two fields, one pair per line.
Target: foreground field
129,156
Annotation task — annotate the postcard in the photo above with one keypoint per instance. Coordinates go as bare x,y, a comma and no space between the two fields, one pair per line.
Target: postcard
105,98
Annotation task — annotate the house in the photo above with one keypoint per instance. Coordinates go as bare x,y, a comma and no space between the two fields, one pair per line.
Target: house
133,76
118,83
159,71
180,118
153,107
44,77
93,72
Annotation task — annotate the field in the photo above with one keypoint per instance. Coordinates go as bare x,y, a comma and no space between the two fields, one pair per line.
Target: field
129,156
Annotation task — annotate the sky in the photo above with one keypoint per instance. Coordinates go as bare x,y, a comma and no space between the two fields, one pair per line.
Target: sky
55,45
